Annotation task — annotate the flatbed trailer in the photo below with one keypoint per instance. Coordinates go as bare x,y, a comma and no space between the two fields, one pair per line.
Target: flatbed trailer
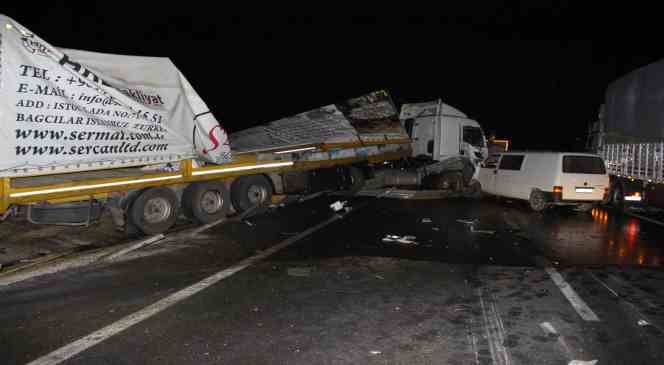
120,187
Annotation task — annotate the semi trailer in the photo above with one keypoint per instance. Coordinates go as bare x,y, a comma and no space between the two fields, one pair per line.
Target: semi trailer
84,133
629,135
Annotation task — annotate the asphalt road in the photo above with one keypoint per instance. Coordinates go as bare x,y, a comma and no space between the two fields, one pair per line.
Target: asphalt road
479,282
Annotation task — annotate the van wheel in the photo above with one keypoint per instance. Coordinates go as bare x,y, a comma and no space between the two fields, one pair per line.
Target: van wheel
538,201
154,210
206,202
249,191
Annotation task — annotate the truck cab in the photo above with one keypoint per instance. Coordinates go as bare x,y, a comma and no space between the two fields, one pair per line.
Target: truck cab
439,131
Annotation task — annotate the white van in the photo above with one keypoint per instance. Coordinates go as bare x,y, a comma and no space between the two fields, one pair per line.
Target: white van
546,179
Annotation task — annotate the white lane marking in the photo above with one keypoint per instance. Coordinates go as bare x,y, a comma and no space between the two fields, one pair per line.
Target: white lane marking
583,362
647,219
548,328
577,303
604,284
631,305
135,246
472,338
495,332
98,336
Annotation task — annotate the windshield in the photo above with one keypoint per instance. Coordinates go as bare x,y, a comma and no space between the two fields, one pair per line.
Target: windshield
473,136
583,165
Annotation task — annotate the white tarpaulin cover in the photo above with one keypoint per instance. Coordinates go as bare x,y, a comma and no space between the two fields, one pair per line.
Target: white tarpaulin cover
67,110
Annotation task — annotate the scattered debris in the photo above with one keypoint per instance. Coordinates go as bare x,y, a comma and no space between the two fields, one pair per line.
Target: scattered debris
314,195
435,229
379,277
375,352
482,231
426,220
299,271
549,329
472,223
408,240
249,223
338,205
643,323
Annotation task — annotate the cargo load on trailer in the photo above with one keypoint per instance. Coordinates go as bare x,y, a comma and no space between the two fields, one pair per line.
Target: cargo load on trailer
68,110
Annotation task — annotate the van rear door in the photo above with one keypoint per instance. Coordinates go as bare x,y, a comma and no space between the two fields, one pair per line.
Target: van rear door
583,177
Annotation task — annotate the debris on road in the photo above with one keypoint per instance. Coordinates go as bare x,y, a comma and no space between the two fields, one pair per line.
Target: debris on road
482,231
250,224
643,323
426,220
299,271
471,224
338,205
407,240
375,352
435,229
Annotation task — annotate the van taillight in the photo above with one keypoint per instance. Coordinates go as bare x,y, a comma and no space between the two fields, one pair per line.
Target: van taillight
557,193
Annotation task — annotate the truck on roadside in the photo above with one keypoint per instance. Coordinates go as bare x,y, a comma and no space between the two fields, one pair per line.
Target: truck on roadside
85,132
629,135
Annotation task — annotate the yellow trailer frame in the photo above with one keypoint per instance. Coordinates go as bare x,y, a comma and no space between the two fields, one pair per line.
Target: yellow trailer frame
243,164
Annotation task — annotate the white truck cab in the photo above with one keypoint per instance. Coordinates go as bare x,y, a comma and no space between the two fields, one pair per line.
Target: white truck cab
440,131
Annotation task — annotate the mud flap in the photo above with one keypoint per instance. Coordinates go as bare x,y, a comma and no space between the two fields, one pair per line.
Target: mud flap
70,214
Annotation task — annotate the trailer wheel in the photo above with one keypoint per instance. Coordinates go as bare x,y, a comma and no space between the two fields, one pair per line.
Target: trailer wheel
249,191
617,197
154,210
356,179
537,201
205,202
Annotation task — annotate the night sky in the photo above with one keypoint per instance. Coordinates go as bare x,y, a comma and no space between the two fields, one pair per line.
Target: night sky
535,74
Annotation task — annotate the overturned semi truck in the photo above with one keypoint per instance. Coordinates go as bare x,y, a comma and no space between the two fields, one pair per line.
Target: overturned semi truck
85,132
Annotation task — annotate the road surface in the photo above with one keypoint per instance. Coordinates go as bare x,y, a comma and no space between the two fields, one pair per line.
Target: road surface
478,282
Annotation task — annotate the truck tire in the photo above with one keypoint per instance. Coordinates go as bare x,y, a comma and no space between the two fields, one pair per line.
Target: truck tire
205,202
356,180
154,210
617,197
537,201
249,191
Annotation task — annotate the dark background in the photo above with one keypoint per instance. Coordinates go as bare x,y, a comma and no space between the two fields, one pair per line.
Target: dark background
534,73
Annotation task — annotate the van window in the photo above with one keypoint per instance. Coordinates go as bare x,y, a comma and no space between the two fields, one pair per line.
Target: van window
511,162
492,161
473,136
583,165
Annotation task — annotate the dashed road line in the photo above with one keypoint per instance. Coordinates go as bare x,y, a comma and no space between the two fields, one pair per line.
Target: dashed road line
495,331
577,303
105,333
